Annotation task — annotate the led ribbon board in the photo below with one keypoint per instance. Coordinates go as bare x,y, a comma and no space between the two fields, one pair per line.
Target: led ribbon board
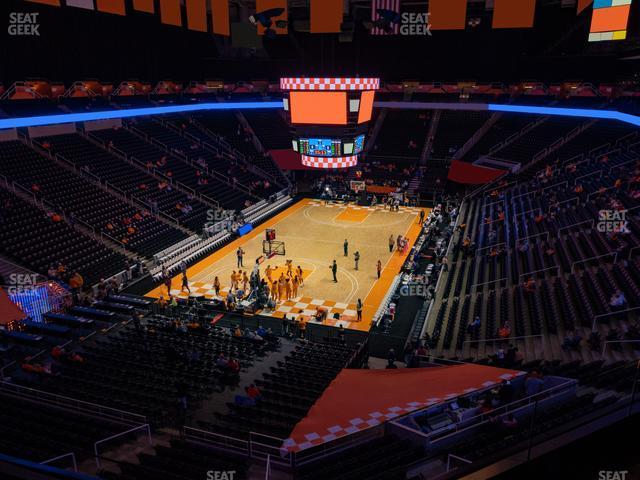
22,122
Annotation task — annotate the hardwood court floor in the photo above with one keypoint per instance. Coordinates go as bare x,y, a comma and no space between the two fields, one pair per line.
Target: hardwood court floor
314,234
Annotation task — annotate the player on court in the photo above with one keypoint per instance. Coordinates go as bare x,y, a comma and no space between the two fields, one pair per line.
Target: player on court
379,268
300,278
294,286
289,268
274,291
334,271
233,281
216,286
185,282
281,282
287,287
268,272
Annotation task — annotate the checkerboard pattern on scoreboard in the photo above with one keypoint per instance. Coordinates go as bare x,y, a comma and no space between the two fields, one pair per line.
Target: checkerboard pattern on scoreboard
338,84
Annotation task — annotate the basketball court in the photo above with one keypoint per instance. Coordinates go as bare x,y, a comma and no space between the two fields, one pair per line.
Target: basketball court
312,236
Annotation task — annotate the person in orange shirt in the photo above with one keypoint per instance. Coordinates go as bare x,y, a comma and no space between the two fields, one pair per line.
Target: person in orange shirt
579,188
216,286
618,183
274,291
530,285
300,277
245,280
233,281
501,216
268,272
294,286
281,287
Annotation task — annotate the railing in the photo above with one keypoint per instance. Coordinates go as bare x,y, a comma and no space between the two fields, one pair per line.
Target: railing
609,314
499,339
73,403
490,246
555,267
483,418
259,448
587,175
573,199
112,437
476,285
591,221
60,457
7,366
614,254
533,236
221,441
604,348
455,457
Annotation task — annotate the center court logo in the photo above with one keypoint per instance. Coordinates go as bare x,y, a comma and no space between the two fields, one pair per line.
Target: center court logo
23,24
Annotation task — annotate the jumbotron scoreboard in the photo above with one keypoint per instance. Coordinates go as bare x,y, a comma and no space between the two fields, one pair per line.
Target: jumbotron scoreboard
329,118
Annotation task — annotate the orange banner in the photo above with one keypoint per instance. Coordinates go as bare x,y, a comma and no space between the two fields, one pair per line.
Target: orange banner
170,12
447,14
326,16
197,15
513,13
144,6
220,13
54,3
582,4
263,5
111,6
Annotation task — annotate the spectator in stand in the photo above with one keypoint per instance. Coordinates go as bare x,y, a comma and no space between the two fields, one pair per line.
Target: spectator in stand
571,341
618,301
534,383
253,392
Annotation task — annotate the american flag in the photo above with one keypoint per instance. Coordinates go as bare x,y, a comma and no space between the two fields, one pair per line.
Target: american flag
393,5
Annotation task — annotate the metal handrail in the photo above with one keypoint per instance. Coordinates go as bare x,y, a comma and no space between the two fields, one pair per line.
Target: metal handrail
608,314
615,259
486,340
556,267
604,347
489,282
131,430
70,402
70,454
591,221
546,232
450,456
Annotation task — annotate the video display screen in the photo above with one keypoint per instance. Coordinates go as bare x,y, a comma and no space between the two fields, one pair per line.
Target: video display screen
320,108
359,144
320,147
